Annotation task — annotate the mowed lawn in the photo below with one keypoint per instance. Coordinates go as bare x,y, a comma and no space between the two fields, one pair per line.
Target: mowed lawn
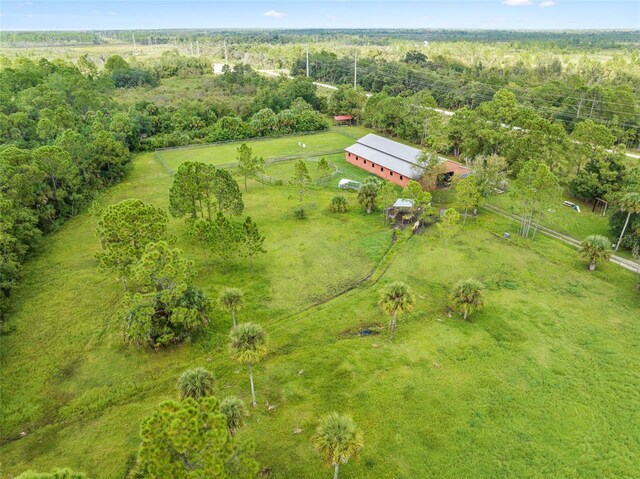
543,382
332,140
565,219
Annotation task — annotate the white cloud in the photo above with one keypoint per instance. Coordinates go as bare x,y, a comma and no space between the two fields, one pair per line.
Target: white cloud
101,13
273,13
548,3
516,3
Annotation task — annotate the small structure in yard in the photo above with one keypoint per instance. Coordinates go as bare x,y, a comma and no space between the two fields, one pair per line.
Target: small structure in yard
403,204
343,119
600,206
394,161
346,184
403,211
572,205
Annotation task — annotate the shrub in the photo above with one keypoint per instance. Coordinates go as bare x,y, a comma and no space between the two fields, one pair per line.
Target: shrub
338,204
300,213
148,320
595,248
195,383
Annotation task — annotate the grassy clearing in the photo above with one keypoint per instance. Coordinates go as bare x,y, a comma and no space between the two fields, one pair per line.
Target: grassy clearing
564,219
542,383
336,139
175,90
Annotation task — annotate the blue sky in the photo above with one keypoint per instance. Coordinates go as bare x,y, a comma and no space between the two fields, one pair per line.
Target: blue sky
478,14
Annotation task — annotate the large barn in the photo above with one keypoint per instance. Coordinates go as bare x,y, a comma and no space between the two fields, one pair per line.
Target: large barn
391,160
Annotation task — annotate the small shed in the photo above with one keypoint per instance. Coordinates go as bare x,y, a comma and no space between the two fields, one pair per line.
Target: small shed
346,184
343,119
403,204
403,212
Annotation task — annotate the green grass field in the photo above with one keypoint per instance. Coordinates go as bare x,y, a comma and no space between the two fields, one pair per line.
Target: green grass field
333,140
564,219
542,383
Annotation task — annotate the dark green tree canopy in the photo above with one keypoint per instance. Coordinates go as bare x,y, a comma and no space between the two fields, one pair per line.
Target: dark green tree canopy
190,439
125,229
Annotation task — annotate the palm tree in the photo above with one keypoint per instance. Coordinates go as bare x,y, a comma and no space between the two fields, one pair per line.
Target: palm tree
467,296
248,346
195,383
231,299
630,203
396,297
595,248
338,440
235,411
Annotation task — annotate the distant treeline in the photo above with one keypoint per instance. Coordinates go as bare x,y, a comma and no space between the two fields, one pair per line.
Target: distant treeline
573,39
588,92
19,39
584,40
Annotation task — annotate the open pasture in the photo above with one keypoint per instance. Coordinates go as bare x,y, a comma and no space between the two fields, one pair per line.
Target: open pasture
318,144
541,383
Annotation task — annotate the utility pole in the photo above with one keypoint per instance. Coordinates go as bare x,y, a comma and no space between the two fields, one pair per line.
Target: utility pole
226,54
198,46
307,60
355,70
134,39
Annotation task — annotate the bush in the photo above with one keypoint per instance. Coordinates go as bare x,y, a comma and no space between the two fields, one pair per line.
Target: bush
338,204
299,213
195,383
133,77
150,321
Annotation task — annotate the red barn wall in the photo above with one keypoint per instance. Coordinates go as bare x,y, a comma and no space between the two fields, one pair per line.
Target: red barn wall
377,170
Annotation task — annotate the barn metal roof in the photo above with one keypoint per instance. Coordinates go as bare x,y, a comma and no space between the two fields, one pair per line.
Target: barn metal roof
390,147
388,154
396,156
386,161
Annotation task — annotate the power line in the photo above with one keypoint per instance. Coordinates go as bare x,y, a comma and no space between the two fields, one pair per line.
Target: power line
494,88
424,86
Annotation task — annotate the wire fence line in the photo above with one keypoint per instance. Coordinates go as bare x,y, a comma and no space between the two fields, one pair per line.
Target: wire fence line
311,156
243,140
270,180
157,153
159,159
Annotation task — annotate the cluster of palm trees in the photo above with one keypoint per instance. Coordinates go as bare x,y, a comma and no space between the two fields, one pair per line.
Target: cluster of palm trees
396,297
198,383
337,437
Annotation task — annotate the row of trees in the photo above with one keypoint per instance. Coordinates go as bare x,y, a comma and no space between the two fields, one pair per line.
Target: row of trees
161,306
207,121
557,94
58,150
